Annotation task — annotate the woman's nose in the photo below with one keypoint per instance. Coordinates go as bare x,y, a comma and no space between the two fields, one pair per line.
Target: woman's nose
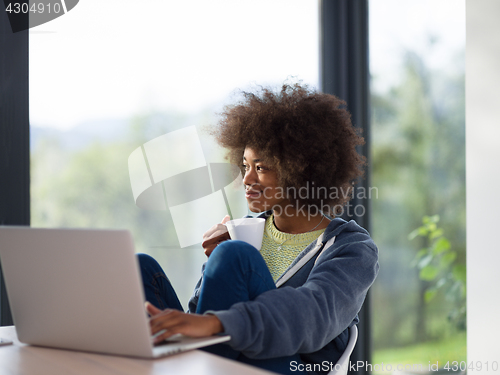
249,177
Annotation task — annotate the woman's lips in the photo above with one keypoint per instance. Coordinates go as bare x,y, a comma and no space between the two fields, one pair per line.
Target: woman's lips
252,194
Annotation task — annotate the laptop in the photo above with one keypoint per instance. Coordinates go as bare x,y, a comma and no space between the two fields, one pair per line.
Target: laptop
81,289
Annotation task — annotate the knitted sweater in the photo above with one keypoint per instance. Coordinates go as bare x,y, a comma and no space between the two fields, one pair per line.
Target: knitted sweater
279,249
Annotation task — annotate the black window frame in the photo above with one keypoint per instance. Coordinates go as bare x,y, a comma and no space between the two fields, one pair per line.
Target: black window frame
14,133
345,72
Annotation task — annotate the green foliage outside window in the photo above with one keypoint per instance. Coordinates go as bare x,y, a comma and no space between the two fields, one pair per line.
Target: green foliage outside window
437,265
418,167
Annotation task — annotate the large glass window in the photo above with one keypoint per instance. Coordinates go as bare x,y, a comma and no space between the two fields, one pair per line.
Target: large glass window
109,79
417,62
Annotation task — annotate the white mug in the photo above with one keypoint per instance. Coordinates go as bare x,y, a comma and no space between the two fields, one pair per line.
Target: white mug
248,229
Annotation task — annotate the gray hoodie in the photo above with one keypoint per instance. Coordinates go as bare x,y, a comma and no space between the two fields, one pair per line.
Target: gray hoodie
317,299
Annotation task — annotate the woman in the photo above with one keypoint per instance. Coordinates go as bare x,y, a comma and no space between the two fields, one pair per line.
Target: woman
290,305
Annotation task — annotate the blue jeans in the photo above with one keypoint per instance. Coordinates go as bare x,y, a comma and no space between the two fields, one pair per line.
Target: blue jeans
235,272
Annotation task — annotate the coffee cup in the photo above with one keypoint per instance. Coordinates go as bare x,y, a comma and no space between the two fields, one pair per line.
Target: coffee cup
248,229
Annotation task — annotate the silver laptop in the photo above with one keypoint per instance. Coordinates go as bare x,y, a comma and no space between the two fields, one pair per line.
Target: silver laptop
81,289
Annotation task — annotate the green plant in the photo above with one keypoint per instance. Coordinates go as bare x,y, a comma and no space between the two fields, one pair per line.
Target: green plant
437,265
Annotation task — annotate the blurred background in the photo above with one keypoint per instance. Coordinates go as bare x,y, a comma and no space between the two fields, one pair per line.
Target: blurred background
106,78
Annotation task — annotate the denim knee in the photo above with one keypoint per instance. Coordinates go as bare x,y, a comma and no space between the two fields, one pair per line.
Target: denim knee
235,272
233,254
234,250
148,263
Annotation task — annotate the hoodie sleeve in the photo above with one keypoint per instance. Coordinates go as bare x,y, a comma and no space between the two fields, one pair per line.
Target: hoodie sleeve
288,320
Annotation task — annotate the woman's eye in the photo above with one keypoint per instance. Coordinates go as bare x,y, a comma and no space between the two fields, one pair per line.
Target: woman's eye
258,168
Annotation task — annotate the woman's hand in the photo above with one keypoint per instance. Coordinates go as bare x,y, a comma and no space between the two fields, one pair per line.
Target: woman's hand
174,321
215,235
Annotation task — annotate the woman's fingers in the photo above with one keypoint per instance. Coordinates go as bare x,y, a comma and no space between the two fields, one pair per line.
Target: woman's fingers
210,244
151,309
215,235
174,321
217,229
208,249
160,321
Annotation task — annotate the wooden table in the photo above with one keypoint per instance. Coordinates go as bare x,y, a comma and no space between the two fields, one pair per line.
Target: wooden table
26,360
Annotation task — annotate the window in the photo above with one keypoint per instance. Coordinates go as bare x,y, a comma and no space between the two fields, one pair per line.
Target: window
109,78
417,62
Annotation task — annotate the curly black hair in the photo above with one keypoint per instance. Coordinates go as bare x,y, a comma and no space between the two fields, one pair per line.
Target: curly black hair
305,135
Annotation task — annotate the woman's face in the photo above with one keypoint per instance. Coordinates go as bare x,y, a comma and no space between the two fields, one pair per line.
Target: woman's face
261,183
